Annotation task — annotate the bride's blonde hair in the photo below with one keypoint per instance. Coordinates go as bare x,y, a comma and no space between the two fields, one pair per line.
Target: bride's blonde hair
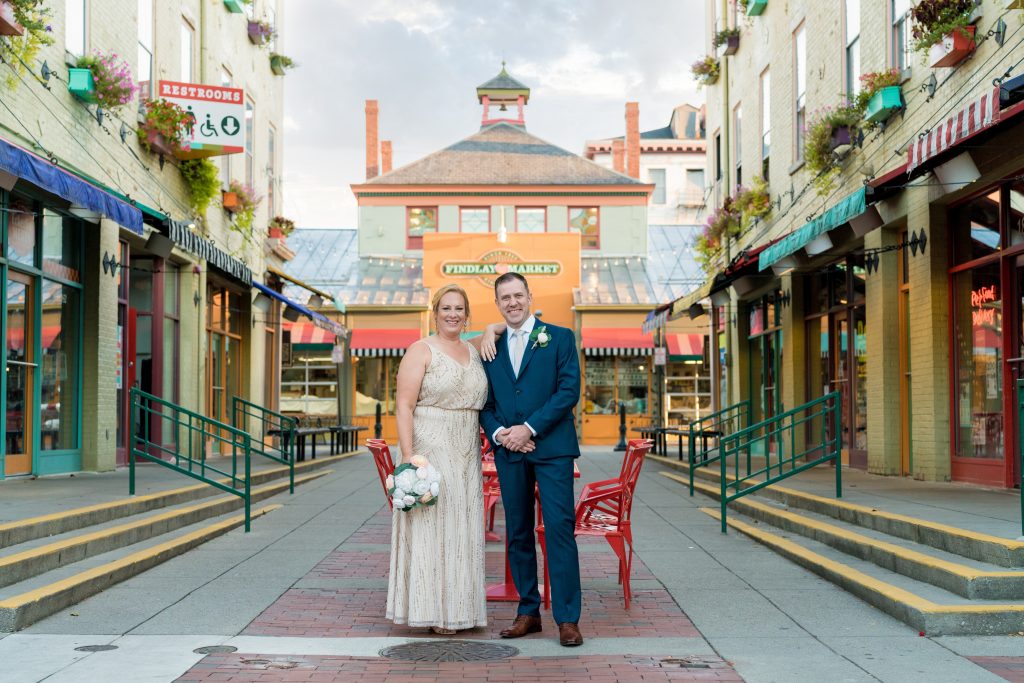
435,302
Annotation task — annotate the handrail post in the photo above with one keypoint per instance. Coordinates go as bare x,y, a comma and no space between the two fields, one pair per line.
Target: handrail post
836,416
291,458
691,449
722,500
248,482
131,441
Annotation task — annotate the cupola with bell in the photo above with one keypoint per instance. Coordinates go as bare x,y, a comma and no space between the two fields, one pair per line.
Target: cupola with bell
498,97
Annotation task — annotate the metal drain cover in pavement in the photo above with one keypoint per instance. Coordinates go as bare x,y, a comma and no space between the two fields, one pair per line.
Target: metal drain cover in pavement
95,648
214,649
449,651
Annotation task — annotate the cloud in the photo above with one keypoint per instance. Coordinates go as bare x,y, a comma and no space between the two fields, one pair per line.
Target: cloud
582,71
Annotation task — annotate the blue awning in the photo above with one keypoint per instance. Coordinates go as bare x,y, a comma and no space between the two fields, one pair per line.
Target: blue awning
44,174
318,319
837,214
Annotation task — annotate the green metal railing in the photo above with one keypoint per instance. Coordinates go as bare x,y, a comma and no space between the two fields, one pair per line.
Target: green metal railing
274,434
726,421
180,441
786,431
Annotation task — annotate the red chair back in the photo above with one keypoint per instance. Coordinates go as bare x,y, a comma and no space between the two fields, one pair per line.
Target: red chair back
631,465
486,450
382,459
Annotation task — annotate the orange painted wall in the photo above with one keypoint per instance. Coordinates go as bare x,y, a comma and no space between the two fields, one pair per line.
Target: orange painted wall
551,293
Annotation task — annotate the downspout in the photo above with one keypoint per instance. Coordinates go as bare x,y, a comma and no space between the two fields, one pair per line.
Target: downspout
726,121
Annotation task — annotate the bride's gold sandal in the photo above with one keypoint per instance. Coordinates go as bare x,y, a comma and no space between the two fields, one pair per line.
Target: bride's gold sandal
443,631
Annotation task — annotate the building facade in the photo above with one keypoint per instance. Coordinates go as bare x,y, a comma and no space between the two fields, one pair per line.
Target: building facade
888,268
111,276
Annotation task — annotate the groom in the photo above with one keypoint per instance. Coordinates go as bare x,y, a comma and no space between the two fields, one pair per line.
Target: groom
534,384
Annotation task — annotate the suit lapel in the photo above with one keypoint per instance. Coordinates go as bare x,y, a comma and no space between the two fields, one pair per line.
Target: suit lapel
504,358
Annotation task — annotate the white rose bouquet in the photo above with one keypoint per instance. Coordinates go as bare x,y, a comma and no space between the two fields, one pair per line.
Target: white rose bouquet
412,484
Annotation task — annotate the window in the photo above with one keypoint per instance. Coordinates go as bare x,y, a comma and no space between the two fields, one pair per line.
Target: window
310,381
800,66
587,222
530,220
271,171
694,193
611,379
225,160
657,177
475,220
766,122
172,314
419,221
718,157
188,35
250,133
145,74
74,27
272,20
900,33
737,132
852,48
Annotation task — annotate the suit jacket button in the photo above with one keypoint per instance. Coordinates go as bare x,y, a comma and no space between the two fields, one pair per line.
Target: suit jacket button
518,392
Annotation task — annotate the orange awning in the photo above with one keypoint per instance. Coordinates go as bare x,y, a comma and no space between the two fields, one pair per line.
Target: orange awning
690,346
617,341
308,333
377,342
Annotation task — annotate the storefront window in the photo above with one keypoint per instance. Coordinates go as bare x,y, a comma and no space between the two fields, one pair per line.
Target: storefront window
586,222
419,221
1016,225
60,365
170,332
633,384
976,228
475,220
600,381
611,379
978,313
21,233
376,382
688,391
60,247
530,220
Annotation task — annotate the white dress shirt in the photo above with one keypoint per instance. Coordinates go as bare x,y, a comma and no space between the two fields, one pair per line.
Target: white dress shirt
526,329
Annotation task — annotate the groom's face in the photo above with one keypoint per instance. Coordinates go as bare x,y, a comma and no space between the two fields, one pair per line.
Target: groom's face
514,301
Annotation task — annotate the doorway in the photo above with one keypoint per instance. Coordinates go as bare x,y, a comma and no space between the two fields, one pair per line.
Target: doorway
21,371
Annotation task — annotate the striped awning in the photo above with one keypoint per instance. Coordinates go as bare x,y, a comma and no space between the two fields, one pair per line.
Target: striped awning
382,342
308,333
976,115
685,346
616,341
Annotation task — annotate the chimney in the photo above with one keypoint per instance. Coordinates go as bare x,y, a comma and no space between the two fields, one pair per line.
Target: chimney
618,158
372,169
385,156
633,139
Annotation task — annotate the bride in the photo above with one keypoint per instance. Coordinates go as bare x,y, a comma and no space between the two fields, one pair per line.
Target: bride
437,553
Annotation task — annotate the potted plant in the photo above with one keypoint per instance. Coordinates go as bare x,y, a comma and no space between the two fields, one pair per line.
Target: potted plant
729,38
163,128
705,71
753,203
942,30
203,179
25,23
753,8
245,206
280,63
260,32
102,79
880,95
721,225
828,129
280,227
236,6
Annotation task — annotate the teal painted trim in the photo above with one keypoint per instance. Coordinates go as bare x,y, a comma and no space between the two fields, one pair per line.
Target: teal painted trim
235,6
312,347
837,214
756,8
884,103
82,85
685,358
501,194
60,462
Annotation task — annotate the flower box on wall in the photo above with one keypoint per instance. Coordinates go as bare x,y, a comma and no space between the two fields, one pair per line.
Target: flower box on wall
82,84
840,137
883,103
731,45
235,6
953,48
277,65
230,201
8,25
756,7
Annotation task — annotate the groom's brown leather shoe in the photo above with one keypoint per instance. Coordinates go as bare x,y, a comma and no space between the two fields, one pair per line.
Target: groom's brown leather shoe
523,625
569,634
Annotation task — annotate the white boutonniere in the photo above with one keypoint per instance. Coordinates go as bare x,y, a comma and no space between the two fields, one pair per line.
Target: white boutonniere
540,337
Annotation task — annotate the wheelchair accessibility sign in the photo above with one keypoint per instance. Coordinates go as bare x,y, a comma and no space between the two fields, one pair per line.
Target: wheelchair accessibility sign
216,117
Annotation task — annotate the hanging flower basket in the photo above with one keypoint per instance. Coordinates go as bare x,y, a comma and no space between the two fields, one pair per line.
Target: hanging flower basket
235,6
158,144
260,32
279,64
230,201
883,104
727,40
82,85
953,48
8,24
755,8
162,130
705,71
840,136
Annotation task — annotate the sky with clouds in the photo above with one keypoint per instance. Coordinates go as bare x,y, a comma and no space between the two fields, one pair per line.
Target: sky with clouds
422,60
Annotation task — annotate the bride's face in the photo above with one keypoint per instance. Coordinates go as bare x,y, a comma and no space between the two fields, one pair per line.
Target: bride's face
451,317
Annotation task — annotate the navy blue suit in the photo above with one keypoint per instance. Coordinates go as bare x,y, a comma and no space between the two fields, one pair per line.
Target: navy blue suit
544,395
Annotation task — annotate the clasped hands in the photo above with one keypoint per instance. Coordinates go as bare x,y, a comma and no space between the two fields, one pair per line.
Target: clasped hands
518,439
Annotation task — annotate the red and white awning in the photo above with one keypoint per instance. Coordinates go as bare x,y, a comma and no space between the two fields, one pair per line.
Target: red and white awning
308,333
616,341
380,342
688,345
979,114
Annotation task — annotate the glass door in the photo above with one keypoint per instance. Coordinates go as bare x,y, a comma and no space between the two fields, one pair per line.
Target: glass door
21,369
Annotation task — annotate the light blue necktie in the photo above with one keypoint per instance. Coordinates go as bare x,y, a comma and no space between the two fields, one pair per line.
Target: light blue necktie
517,350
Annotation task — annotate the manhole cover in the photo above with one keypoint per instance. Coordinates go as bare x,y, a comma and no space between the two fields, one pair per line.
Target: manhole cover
95,648
214,649
449,651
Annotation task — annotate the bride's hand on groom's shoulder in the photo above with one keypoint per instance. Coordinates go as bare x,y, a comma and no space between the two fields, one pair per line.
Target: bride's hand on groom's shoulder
489,341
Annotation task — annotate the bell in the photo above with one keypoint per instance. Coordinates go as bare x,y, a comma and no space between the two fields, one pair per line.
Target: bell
502,107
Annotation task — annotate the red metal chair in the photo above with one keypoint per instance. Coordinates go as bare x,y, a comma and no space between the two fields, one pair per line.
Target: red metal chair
604,509
492,490
382,459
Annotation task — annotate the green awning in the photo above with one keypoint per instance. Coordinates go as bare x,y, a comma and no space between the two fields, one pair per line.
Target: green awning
837,214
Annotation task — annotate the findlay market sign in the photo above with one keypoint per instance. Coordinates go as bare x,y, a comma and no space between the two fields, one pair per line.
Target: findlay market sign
496,263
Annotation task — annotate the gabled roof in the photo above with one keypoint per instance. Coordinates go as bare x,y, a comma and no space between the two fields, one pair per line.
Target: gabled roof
503,154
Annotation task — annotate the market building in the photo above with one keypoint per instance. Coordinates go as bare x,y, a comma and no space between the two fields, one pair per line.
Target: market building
112,277
889,266
501,199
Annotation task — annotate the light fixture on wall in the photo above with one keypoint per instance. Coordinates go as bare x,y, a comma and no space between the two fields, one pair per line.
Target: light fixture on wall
291,314
315,301
159,245
261,302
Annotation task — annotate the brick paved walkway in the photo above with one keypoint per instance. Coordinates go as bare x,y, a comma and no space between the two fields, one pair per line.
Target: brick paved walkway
350,598
1010,668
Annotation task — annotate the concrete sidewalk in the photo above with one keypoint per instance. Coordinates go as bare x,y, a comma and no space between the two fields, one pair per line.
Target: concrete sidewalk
302,598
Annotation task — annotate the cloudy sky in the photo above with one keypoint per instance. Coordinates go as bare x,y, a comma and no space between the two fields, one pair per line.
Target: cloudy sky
422,60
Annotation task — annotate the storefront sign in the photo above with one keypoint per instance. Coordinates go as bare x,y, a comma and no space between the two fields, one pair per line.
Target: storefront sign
217,116
660,357
337,354
496,263
199,246
982,315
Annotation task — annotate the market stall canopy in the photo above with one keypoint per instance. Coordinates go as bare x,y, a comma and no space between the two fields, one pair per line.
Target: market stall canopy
308,333
382,342
616,341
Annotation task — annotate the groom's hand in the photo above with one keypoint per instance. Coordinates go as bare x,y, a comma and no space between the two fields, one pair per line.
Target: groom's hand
516,438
